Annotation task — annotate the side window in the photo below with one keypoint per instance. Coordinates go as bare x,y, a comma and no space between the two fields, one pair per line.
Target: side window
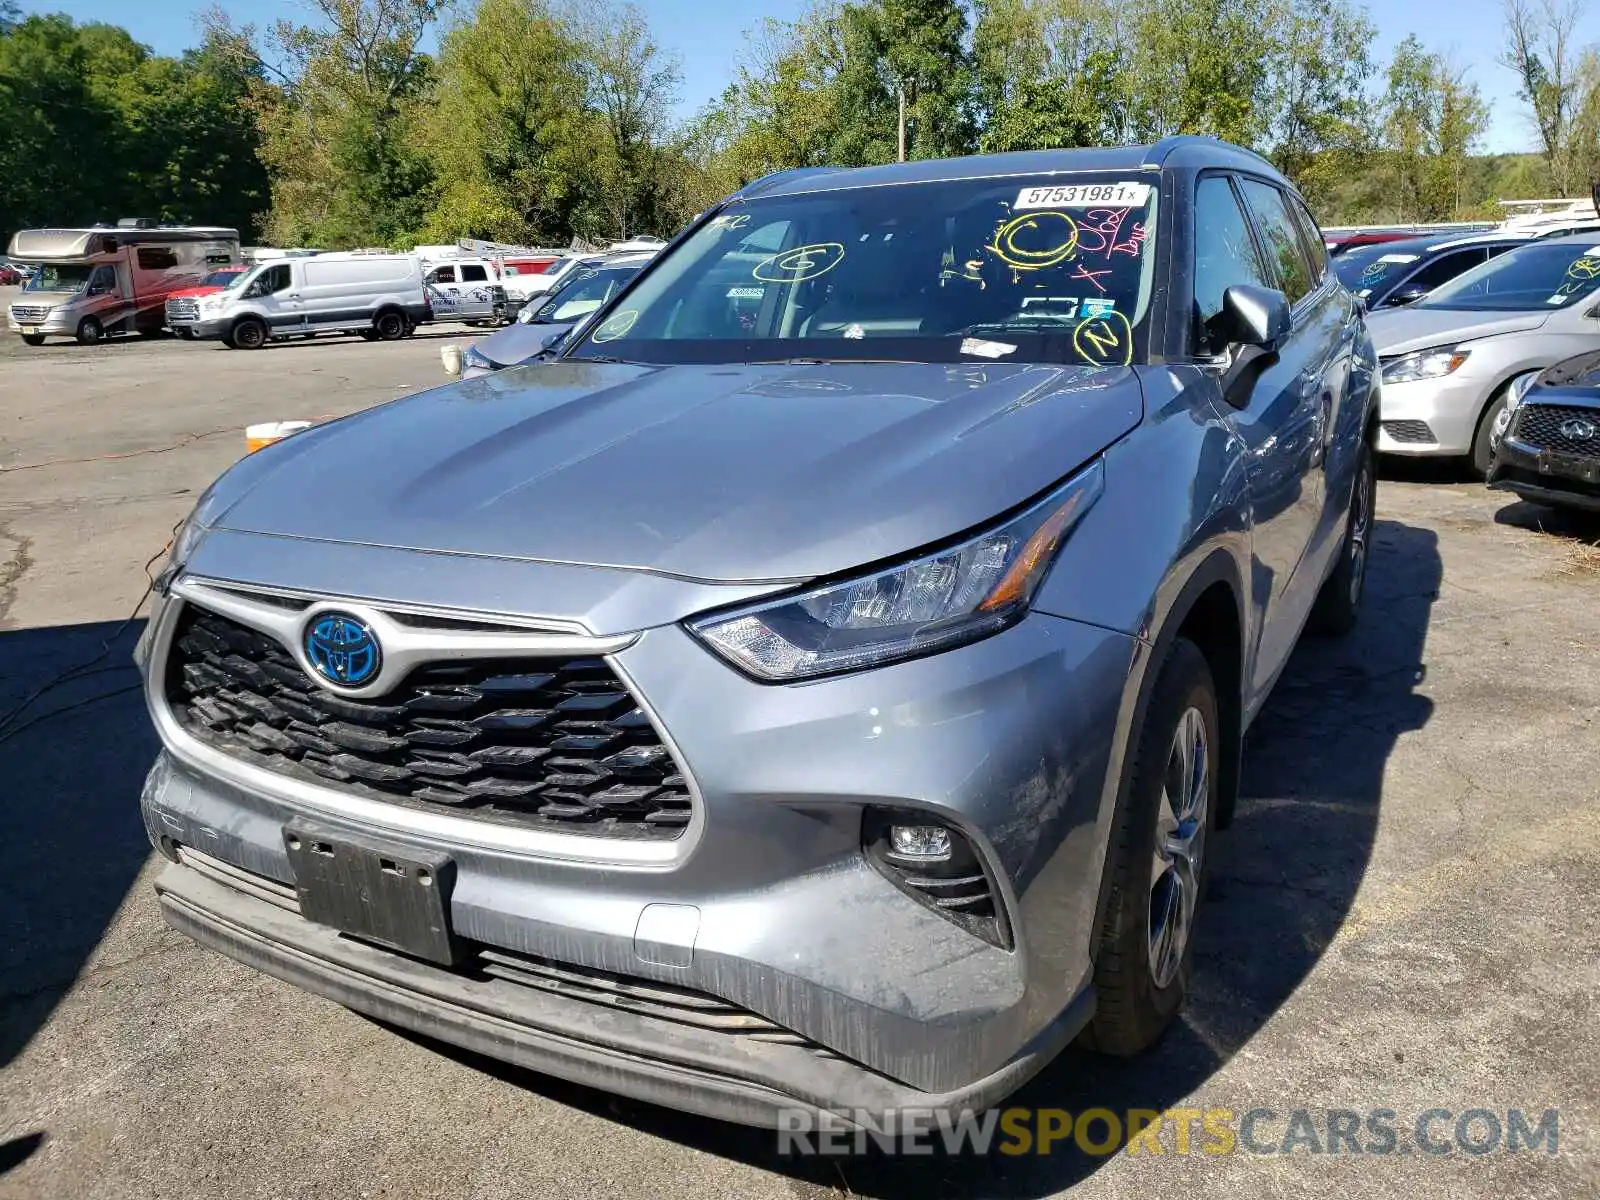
273,279
156,258
444,275
1224,253
1444,268
473,273
1280,238
1311,237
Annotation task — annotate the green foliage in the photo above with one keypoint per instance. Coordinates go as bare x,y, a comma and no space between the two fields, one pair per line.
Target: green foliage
94,127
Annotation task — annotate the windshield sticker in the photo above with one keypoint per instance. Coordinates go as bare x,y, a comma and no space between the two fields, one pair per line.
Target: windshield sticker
615,326
1035,241
1105,341
1098,306
1398,258
800,264
746,293
1558,298
1067,310
729,221
985,349
854,332
1083,195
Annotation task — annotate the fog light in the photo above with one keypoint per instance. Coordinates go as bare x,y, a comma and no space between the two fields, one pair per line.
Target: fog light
928,842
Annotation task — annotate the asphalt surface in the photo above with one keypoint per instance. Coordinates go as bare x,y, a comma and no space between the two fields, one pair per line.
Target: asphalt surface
1406,915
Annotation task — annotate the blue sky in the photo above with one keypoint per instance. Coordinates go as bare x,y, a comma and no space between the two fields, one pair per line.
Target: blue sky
708,39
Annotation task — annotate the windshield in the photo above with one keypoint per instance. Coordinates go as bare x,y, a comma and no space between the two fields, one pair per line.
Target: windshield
1535,277
1028,270
581,293
243,277
60,277
220,278
1368,269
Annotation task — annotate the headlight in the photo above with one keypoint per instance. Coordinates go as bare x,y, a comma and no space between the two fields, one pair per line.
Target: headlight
474,359
525,317
957,595
1519,389
1424,364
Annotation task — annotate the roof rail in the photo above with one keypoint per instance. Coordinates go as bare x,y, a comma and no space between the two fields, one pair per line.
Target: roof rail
1157,153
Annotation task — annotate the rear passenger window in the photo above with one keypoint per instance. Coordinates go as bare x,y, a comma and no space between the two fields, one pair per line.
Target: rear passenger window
472,273
1280,238
1311,238
1224,254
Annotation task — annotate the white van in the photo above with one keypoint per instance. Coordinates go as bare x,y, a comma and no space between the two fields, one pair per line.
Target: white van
374,295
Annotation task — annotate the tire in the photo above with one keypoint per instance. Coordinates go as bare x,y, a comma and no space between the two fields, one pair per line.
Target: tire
1339,602
186,334
89,331
249,333
367,335
1141,975
1483,440
389,326
33,339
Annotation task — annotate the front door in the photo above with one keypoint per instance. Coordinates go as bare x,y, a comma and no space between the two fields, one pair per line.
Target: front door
461,292
272,294
1279,421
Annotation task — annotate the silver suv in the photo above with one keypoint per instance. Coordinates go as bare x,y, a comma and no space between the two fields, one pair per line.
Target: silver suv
821,685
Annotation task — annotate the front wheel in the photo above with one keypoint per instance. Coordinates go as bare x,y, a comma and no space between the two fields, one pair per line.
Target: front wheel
1339,602
33,339
89,331
1494,422
1158,859
389,326
249,334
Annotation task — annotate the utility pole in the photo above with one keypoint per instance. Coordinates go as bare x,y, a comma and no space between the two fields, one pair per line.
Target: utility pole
900,90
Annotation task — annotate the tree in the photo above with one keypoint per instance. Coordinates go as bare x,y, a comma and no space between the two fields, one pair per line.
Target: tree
1049,73
1539,48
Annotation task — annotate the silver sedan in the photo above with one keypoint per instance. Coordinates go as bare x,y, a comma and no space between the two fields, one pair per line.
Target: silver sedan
1449,362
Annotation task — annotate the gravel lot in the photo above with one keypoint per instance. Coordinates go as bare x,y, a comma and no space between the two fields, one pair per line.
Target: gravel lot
1405,916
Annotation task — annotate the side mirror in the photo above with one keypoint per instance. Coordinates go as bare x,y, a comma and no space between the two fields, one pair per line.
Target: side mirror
1253,320
1409,294
1253,316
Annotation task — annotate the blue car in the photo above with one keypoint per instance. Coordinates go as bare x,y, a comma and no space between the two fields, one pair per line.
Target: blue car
821,684
1391,274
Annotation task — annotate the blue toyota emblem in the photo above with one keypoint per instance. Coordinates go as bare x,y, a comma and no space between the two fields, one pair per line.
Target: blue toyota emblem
342,649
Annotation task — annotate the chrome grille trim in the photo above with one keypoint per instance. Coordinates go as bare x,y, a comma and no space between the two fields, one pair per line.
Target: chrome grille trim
438,828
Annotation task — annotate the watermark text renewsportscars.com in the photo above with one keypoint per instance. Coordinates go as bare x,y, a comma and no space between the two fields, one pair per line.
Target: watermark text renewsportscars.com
1259,1130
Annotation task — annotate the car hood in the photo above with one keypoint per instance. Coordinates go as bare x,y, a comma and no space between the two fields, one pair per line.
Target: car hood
45,298
193,291
518,343
1402,330
725,473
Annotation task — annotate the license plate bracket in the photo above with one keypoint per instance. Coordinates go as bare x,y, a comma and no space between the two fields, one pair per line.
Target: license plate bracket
396,896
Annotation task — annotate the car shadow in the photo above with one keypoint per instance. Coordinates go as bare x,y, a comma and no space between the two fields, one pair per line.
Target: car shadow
1285,878
72,762
1573,524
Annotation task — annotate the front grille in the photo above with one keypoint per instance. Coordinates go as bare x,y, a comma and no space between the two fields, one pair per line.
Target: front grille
1409,431
183,310
29,314
553,743
1539,426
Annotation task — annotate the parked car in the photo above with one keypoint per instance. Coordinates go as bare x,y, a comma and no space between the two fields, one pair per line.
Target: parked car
10,276
1550,450
553,275
822,683
1391,274
1450,359
544,321
1340,242
183,306
374,295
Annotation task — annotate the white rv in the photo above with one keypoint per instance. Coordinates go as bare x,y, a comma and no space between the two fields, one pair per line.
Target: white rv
111,279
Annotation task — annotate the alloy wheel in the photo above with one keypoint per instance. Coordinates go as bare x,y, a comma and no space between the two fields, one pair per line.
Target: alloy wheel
1360,530
1179,846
